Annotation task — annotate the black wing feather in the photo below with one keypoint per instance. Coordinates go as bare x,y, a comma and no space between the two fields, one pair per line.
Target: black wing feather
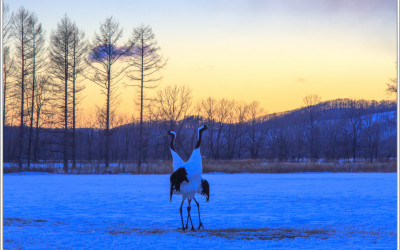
205,189
176,179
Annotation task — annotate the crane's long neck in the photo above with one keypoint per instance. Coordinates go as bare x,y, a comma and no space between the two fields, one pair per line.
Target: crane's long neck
199,138
196,156
172,141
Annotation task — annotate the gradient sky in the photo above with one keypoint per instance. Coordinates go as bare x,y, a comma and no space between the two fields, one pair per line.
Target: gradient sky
272,51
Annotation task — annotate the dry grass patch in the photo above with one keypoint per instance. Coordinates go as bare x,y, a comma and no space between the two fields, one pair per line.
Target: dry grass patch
259,166
266,233
221,166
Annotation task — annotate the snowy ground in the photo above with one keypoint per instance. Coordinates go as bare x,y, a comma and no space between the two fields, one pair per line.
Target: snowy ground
322,210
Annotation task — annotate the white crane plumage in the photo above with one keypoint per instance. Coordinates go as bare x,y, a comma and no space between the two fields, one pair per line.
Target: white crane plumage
186,179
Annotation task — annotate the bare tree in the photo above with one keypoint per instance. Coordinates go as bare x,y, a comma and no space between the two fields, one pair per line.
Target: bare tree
207,109
223,114
282,144
145,65
311,104
330,138
391,87
126,122
7,18
232,133
60,44
44,98
8,64
91,130
37,63
371,136
299,139
174,103
354,113
242,116
216,113
104,70
78,50
256,134
21,30
8,71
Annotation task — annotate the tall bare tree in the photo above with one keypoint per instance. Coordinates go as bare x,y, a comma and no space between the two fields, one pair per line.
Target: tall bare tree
21,32
222,114
354,113
7,24
145,65
371,136
60,68
256,134
172,104
8,71
44,98
8,64
37,63
232,133
241,111
207,109
78,50
311,102
104,70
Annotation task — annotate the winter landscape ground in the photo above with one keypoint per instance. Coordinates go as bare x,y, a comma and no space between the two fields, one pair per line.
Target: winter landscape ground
302,210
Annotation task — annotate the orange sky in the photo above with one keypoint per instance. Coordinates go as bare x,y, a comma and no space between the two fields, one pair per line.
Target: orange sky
274,52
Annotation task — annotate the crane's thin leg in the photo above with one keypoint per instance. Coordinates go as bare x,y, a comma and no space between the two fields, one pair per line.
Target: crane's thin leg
189,217
198,209
180,210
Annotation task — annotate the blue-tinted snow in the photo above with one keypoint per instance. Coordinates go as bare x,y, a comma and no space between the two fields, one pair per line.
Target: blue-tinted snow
344,210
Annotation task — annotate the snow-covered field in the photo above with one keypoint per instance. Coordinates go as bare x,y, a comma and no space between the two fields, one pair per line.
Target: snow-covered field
321,210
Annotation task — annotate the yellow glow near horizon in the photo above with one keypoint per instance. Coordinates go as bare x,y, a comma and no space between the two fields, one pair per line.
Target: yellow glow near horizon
278,75
274,52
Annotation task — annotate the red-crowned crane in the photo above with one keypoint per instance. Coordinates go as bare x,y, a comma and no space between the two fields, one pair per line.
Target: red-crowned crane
186,179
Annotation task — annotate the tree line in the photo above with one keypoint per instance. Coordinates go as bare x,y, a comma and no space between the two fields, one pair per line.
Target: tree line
42,82
337,130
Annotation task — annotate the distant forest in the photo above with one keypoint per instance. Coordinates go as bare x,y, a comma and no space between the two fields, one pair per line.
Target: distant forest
332,130
43,79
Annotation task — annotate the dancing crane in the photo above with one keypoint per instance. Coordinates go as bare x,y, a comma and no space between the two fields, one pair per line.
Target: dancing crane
186,179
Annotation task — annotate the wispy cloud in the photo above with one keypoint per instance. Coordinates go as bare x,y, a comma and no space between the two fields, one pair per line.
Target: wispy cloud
101,52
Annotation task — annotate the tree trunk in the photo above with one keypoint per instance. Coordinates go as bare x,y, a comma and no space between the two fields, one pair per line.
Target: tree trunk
140,157
66,110
21,128
108,120
73,116
4,93
36,137
354,145
32,109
